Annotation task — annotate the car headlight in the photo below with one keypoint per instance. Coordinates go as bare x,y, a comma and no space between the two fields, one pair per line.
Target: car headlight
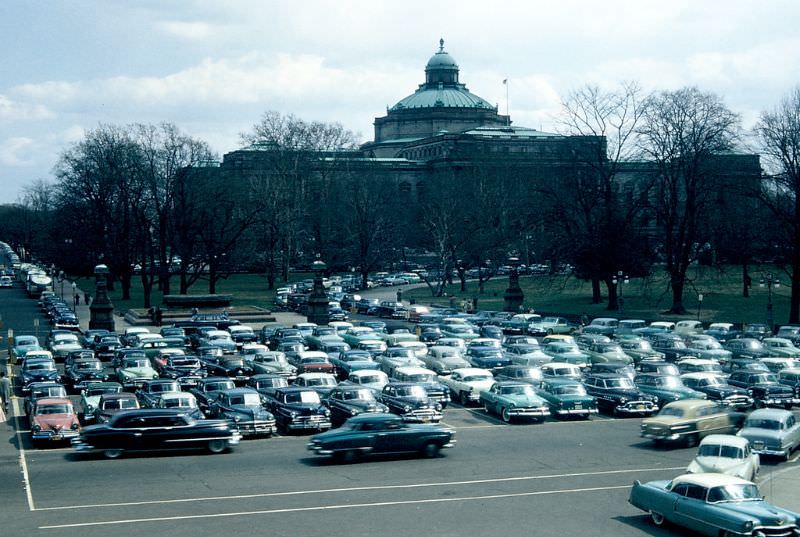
623,400
36,428
74,426
293,414
438,407
748,526
353,412
407,408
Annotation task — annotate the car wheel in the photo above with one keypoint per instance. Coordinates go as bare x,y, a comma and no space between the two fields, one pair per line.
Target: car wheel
505,413
217,446
112,453
348,456
692,440
431,450
463,398
657,518
788,406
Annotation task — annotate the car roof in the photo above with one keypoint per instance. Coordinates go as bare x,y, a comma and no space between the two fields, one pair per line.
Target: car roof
690,403
472,371
770,414
709,480
700,375
375,416
239,391
52,401
727,439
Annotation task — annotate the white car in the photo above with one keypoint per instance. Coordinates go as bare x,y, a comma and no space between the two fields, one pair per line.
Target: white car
467,383
561,370
726,454
369,378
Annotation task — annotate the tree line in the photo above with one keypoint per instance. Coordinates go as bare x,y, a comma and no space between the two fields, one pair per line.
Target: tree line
150,201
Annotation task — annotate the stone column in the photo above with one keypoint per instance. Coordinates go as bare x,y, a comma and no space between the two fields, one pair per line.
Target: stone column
317,307
513,297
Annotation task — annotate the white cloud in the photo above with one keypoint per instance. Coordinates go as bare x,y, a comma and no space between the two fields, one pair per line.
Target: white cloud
12,148
185,30
20,111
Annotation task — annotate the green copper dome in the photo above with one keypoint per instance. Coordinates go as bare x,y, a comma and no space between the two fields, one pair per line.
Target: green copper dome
441,88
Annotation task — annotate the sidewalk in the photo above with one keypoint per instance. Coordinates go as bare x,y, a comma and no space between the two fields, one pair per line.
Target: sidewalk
781,485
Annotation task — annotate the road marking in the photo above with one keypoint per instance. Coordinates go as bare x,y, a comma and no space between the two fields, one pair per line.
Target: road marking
22,462
363,489
334,507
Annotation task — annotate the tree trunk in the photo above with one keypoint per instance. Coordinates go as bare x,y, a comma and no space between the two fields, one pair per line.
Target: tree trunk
125,282
677,284
596,294
613,302
745,281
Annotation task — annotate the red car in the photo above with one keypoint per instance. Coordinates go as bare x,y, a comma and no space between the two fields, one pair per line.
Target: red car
53,420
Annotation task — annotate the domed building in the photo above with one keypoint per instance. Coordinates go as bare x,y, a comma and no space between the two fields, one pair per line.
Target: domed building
441,104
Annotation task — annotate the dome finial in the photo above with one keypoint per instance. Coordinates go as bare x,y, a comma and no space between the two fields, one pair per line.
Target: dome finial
441,44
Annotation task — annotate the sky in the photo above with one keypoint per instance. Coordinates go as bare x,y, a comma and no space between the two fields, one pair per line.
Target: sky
213,68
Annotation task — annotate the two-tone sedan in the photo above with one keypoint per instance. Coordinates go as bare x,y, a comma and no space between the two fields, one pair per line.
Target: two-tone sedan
514,401
689,421
348,401
243,407
713,504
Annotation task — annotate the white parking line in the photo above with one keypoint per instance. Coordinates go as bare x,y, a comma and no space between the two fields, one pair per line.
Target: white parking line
333,507
367,488
22,462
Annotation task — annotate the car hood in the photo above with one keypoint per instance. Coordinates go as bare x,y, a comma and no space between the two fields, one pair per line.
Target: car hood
766,513
362,364
247,410
140,372
571,398
724,391
523,400
665,421
54,421
305,409
755,434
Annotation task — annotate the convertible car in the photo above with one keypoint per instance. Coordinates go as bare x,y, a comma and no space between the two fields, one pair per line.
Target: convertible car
713,504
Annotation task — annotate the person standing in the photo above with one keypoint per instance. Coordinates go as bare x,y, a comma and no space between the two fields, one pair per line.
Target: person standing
5,390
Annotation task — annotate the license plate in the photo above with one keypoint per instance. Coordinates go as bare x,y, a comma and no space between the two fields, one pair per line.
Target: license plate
578,406
56,437
640,407
425,419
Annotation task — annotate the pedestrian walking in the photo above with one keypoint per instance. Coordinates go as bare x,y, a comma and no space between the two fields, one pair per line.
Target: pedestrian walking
86,298
159,316
5,390
77,299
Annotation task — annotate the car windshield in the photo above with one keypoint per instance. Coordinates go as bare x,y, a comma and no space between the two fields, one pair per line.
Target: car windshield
367,379
734,493
217,386
64,408
320,381
236,362
136,363
94,392
412,391
362,395
41,366
671,411
185,362
477,378
179,402
162,387
307,397
669,382
764,377
248,399
712,381
517,390
756,423
720,450
97,366
422,377
571,389
622,382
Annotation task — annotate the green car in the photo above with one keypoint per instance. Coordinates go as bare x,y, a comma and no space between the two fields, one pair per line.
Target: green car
639,349
666,388
567,398
514,400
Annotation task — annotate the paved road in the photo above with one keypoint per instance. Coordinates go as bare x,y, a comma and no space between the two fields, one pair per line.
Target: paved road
555,478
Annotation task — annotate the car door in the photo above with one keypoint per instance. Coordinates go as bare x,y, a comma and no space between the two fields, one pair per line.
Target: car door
127,433
692,511
393,435
793,432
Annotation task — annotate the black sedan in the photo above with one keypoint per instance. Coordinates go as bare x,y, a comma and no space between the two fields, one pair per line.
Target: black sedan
299,409
381,433
155,430
348,401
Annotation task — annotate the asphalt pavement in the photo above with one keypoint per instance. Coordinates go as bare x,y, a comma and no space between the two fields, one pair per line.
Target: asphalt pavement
555,478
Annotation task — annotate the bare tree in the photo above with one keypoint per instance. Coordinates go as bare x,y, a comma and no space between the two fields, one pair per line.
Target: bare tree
681,130
778,133
598,219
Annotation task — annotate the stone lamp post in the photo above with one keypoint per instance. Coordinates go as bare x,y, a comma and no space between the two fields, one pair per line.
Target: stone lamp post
317,307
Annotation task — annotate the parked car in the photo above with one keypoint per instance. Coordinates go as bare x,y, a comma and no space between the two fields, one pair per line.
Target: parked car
513,401
764,388
665,388
618,395
381,433
606,326
411,401
772,432
132,371
640,349
726,454
53,419
466,384
298,408
689,421
271,362
42,390
207,390
155,430
712,504
444,359
746,348
521,373
149,392
111,404
266,383
345,402
243,407
708,349
22,345
717,389
425,378
550,325
187,370
780,347
90,398
350,360
36,369
374,380
567,398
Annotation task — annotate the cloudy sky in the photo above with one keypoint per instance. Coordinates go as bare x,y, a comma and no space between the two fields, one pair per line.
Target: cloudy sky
214,67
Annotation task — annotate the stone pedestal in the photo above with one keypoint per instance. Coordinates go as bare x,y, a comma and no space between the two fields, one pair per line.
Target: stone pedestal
317,307
101,312
513,297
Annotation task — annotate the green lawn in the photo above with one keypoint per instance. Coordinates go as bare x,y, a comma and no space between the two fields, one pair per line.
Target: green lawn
643,298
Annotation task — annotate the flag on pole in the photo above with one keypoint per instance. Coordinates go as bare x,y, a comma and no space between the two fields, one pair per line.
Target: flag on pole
505,81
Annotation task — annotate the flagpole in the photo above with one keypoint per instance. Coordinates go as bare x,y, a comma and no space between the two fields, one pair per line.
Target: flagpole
508,116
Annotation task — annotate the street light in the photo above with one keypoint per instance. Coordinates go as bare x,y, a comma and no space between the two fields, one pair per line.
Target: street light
74,297
60,278
769,282
620,277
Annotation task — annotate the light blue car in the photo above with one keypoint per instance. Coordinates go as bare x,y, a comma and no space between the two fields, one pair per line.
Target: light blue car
24,344
713,504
